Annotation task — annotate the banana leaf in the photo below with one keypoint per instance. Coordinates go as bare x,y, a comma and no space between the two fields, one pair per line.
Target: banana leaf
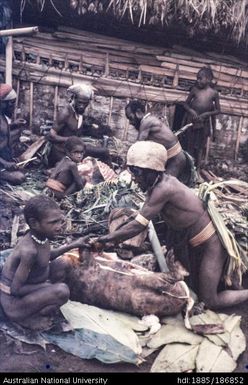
176,358
213,358
98,334
173,333
238,262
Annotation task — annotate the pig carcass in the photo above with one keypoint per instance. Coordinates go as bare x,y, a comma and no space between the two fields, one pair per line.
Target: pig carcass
120,285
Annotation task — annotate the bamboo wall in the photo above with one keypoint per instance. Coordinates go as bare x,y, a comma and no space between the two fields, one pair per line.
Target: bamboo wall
45,65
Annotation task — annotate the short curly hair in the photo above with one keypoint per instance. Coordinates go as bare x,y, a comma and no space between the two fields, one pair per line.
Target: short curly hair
135,105
73,141
207,72
38,206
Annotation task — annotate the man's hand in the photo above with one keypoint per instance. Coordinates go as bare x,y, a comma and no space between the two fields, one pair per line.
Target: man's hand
10,166
98,245
95,245
48,136
194,114
82,242
19,123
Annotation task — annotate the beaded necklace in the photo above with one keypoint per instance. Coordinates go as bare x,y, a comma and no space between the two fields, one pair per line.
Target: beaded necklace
39,241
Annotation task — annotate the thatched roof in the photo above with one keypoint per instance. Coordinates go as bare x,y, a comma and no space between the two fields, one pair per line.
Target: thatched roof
225,18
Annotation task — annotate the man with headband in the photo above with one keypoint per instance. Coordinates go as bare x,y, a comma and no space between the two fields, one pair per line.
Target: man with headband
70,122
9,133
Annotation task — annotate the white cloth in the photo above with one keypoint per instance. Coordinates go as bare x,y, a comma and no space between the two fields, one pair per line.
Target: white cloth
85,91
11,95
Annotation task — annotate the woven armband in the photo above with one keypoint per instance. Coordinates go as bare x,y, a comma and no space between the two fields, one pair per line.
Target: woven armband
142,220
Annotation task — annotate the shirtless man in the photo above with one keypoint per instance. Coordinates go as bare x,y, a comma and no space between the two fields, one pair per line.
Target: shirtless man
202,105
182,210
29,288
70,123
65,179
153,129
9,133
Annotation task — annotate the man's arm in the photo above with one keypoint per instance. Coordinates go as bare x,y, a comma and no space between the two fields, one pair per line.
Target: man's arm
80,242
10,166
187,103
60,123
144,130
152,207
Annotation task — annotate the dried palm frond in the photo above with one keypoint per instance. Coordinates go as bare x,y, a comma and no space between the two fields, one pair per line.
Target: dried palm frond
195,15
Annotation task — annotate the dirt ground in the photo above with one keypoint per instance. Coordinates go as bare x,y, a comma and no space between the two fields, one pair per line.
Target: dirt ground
23,358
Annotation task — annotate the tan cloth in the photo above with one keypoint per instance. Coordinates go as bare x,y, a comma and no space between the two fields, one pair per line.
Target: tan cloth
55,185
142,220
203,235
4,288
174,150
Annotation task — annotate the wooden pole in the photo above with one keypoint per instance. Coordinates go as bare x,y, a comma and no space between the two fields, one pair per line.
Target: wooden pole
9,60
17,98
31,101
124,136
176,77
238,137
106,72
110,109
9,48
56,91
18,31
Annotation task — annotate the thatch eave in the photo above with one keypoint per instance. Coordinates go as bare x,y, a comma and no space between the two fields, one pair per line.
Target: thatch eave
110,24
194,18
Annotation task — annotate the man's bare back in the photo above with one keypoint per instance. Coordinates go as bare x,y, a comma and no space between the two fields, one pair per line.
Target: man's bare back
152,128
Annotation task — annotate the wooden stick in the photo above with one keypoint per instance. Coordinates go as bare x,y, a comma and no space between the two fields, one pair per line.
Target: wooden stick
18,31
9,60
238,137
23,163
184,128
17,97
14,230
157,249
110,110
56,91
207,149
31,101
31,150
106,73
176,77
124,136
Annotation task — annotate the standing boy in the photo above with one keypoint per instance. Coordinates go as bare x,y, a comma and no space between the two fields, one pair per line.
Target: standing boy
201,105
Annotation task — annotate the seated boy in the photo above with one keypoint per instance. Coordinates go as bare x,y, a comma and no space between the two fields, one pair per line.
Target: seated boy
30,291
65,179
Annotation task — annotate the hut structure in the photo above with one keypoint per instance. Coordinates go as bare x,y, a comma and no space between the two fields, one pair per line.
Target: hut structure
146,49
